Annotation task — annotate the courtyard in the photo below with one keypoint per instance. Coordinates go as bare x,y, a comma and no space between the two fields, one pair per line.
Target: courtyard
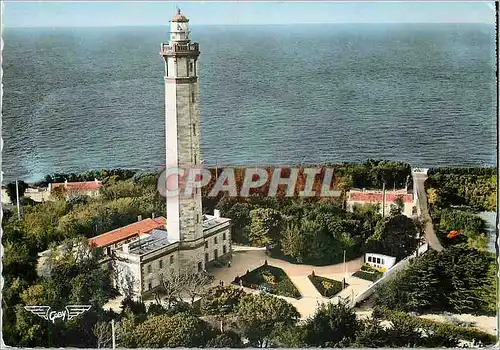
252,258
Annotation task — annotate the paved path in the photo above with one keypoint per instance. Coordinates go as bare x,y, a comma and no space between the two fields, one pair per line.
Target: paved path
249,260
244,261
430,236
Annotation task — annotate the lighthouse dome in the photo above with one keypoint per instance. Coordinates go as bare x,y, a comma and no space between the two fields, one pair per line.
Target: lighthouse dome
179,17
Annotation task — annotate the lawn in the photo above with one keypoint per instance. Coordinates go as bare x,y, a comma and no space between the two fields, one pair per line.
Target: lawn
325,286
270,279
368,273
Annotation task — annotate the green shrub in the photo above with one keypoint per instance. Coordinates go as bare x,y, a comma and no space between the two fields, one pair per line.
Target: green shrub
272,278
368,273
319,282
369,268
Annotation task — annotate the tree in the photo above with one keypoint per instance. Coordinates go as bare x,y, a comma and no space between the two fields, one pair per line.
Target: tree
259,316
156,309
11,190
294,242
172,287
195,284
265,226
135,310
228,339
102,332
180,330
331,326
288,336
396,236
404,332
371,334
221,300
456,279
125,331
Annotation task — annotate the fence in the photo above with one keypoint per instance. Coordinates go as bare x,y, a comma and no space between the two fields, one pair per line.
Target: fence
387,275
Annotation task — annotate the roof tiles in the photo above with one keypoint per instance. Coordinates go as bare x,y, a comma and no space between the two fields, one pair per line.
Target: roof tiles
137,228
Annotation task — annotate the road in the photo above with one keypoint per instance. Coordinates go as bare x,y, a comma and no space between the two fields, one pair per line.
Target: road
430,236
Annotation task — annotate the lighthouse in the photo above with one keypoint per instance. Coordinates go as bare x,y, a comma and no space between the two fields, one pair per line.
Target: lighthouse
182,126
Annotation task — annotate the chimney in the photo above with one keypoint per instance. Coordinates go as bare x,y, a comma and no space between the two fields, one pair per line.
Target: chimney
96,181
66,183
152,215
139,218
217,213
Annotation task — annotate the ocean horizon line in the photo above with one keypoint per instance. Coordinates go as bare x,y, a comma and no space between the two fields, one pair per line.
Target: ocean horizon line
251,24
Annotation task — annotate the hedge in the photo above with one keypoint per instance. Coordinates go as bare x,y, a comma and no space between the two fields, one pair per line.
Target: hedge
283,285
368,273
317,281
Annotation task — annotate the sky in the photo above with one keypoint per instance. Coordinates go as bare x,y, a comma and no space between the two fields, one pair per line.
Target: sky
143,13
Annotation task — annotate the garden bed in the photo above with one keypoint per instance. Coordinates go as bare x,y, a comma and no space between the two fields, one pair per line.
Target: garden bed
269,279
368,273
325,286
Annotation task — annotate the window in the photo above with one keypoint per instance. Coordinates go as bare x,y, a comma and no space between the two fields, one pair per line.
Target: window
171,259
149,269
195,159
369,259
197,218
192,96
378,260
194,129
216,254
224,250
206,244
200,266
215,240
191,67
224,236
383,262
160,263
207,257
150,285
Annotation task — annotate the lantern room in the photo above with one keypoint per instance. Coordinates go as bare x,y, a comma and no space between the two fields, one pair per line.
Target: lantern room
179,27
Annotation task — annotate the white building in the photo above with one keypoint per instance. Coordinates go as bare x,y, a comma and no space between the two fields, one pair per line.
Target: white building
380,261
384,199
142,264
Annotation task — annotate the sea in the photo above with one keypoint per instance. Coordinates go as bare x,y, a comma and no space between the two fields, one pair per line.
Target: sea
77,99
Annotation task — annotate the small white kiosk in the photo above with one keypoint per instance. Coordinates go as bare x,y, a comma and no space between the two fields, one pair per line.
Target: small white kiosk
380,261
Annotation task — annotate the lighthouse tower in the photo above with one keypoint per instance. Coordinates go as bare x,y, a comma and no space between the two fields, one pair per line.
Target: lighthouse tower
182,124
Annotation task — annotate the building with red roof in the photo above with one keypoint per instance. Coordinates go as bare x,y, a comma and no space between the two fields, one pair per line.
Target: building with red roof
118,237
385,200
88,188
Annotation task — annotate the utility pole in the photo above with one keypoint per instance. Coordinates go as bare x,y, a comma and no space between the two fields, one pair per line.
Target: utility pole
113,333
18,202
345,271
383,200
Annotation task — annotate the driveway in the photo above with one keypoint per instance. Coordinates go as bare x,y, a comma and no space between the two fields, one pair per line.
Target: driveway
430,236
